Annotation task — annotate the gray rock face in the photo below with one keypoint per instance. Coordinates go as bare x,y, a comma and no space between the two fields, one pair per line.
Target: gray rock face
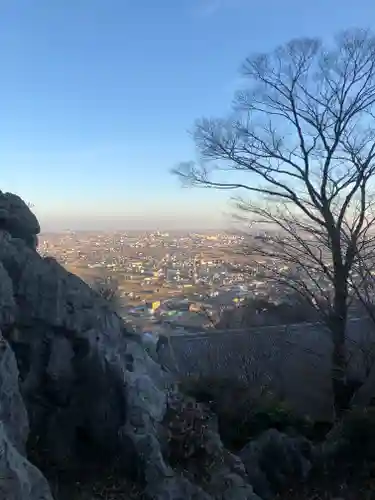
274,459
7,302
82,380
88,387
17,219
92,391
20,480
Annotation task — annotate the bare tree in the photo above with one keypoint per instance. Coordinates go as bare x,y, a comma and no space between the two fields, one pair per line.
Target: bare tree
301,143
362,284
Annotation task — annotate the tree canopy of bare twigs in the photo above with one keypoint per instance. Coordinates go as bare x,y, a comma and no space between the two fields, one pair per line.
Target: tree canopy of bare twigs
299,148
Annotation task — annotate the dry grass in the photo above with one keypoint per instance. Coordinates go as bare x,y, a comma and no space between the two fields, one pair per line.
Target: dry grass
243,413
87,479
99,483
110,488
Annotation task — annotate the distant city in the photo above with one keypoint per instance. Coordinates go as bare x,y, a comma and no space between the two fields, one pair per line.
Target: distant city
166,280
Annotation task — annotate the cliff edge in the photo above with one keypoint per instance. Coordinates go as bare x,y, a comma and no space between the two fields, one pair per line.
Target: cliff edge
76,387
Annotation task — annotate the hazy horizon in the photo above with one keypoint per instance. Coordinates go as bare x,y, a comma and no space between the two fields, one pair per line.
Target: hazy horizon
135,230
98,226
122,222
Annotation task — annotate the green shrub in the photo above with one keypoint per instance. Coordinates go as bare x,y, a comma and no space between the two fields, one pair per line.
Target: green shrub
241,414
355,436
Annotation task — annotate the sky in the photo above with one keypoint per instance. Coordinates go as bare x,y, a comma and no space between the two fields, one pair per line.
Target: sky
97,98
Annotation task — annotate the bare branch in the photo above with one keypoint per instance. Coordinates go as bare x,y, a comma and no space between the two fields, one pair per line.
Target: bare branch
301,145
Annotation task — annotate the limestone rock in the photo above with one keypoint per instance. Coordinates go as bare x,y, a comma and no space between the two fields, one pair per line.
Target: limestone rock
85,383
91,390
17,219
20,480
12,411
274,459
7,302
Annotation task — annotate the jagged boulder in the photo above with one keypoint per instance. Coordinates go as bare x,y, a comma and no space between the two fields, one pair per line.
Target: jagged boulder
19,479
17,219
80,376
275,459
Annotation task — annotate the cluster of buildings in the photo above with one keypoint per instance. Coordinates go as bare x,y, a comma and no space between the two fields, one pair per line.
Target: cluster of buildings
168,280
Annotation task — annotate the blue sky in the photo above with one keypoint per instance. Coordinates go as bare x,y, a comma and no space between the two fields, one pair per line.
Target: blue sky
97,96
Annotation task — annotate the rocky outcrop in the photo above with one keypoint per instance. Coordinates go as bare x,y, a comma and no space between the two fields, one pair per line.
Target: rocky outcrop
19,479
275,459
91,390
83,382
17,219
94,393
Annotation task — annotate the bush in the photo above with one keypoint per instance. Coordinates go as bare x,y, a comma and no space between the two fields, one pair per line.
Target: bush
241,415
353,439
186,423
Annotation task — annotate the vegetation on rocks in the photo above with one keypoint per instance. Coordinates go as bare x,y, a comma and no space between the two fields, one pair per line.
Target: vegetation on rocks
186,423
342,455
242,415
344,462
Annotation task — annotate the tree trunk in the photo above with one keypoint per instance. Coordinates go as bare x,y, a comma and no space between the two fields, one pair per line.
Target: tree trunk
339,367
341,397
